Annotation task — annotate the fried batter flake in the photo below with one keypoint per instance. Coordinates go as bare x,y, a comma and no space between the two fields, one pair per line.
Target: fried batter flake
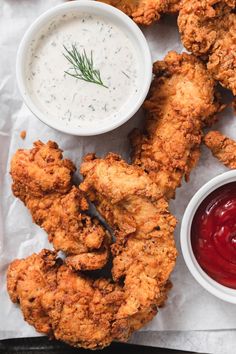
222,147
42,179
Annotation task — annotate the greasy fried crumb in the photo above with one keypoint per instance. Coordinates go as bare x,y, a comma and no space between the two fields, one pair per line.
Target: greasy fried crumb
23,134
222,147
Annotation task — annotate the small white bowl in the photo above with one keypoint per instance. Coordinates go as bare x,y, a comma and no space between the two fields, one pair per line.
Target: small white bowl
130,28
220,291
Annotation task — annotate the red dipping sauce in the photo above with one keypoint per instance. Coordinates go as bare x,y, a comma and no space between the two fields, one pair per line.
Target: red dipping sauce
213,235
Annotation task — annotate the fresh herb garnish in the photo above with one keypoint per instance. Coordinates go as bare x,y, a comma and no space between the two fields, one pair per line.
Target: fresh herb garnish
83,66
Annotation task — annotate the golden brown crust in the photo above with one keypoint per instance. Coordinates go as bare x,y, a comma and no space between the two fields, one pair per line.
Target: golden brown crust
173,6
64,304
91,260
180,102
26,283
144,12
47,172
222,61
208,29
144,251
42,179
222,147
92,313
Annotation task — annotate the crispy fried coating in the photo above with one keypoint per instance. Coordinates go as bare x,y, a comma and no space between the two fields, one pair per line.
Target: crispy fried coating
64,304
40,171
27,281
78,310
173,6
181,101
42,179
222,147
93,313
144,12
208,29
144,251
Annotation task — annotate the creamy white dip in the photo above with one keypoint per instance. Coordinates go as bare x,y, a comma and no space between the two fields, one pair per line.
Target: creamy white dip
71,100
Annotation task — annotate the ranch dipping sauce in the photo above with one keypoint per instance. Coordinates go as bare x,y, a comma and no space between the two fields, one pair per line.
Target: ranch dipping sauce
50,75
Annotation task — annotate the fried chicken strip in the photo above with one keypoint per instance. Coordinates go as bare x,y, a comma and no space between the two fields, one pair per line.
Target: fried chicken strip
208,30
222,147
181,102
42,179
93,313
145,12
27,281
144,251
69,306
64,304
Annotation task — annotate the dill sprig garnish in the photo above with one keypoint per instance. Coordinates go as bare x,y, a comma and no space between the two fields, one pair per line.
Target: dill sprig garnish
83,66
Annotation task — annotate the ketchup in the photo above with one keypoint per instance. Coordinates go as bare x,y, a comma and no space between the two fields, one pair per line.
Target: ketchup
213,235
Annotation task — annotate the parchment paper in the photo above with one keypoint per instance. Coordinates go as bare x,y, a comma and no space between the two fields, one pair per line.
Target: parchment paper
192,319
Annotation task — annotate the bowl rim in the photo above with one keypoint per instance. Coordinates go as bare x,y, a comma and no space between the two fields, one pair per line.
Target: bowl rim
122,18
209,284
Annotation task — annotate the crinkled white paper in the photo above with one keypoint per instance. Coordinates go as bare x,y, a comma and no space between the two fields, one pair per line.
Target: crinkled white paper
193,319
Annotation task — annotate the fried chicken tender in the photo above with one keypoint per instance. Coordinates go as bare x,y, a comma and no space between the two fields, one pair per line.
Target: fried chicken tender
222,147
64,304
92,313
42,179
41,171
145,12
208,30
27,281
144,251
68,305
181,102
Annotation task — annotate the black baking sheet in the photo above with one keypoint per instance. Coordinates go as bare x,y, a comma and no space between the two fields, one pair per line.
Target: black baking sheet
43,345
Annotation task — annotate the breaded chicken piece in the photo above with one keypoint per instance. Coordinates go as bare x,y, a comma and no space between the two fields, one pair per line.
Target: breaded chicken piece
208,30
64,304
144,12
117,180
222,147
91,313
70,307
144,251
42,179
40,171
27,281
180,103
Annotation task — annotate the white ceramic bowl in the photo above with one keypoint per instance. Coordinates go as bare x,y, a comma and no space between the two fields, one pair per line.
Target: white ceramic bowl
124,22
220,291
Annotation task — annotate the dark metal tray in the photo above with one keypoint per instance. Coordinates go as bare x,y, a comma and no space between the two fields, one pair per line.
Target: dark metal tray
43,345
